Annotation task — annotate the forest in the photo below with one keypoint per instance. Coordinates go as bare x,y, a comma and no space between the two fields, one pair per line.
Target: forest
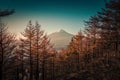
92,54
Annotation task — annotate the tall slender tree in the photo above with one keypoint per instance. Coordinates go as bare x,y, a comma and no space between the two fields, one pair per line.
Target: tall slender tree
7,47
37,47
76,46
27,45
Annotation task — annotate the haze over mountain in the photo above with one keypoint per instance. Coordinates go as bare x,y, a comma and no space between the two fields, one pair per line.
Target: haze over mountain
60,39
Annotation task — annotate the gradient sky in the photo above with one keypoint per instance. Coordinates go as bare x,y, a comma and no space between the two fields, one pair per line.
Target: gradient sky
53,15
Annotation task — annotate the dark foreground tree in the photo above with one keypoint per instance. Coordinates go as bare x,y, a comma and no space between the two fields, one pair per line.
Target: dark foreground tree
27,43
102,57
6,43
36,46
7,47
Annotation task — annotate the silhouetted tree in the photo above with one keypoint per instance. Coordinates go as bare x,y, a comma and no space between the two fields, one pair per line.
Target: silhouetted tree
76,46
27,45
36,45
109,19
7,46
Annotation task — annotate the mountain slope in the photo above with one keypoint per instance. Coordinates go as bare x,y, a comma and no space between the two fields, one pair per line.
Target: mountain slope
60,39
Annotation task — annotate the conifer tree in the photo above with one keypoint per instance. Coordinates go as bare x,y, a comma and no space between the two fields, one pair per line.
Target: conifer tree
7,47
37,48
28,45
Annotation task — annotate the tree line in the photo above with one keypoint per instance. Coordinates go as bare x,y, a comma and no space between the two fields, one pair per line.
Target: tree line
92,54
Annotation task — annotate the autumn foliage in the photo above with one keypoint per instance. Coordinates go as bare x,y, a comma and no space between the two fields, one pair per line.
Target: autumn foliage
92,54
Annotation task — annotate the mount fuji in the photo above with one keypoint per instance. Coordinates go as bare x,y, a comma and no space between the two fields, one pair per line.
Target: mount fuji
60,39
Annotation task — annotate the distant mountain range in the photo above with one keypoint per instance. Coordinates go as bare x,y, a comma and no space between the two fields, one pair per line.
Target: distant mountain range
60,39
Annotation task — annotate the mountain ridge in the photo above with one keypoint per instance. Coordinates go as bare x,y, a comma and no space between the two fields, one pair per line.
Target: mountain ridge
60,39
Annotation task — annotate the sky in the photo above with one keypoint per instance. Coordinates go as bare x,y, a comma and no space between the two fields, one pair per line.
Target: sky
52,15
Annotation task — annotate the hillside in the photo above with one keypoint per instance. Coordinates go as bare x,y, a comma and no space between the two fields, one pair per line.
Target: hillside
60,39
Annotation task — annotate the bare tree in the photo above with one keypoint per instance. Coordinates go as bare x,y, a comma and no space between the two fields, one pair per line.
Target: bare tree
7,47
27,45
